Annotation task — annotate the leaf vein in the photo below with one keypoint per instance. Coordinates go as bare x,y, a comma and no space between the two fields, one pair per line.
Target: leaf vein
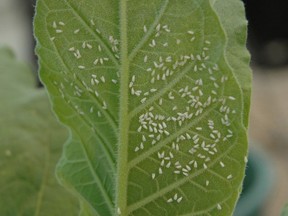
161,144
96,177
100,39
161,92
150,30
174,185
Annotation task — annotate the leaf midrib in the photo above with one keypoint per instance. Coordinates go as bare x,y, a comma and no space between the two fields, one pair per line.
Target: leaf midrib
122,159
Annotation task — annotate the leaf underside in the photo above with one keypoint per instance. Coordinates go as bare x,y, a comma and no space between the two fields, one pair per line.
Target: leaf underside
156,98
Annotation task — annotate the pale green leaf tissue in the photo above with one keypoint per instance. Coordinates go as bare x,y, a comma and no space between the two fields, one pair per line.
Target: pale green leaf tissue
285,210
156,96
31,142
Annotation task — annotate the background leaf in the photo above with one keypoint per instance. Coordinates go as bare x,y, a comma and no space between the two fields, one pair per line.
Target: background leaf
30,145
156,104
285,210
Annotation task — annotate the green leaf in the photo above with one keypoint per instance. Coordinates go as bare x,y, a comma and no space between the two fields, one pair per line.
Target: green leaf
237,55
30,145
87,210
285,210
156,98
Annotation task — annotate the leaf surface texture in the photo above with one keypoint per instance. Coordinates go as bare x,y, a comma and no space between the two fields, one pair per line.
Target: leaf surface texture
156,104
